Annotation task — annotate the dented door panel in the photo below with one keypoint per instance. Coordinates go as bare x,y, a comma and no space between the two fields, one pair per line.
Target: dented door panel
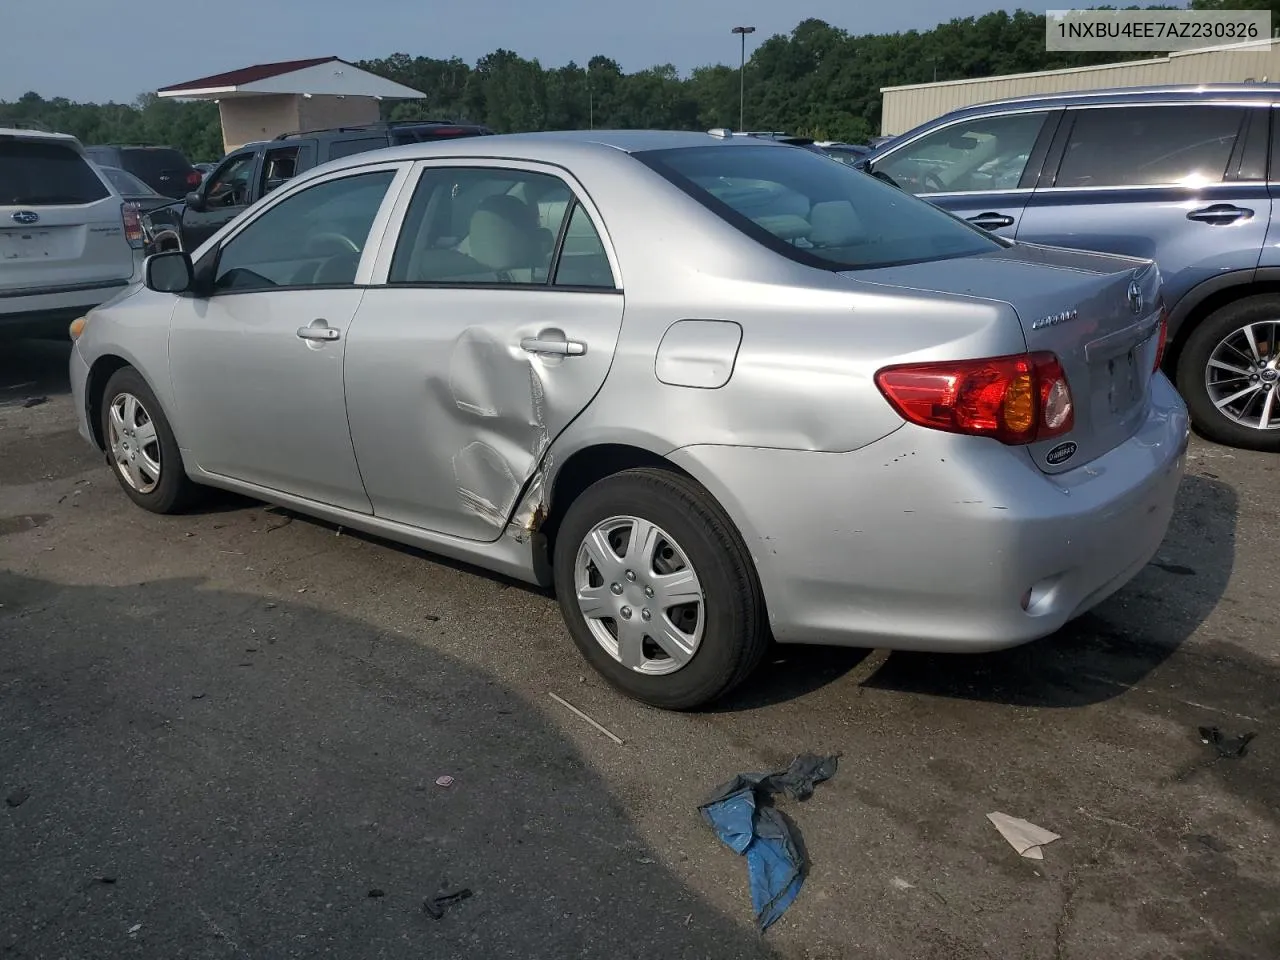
454,395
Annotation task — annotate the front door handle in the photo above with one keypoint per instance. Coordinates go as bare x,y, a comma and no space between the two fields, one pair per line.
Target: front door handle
991,221
563,348
1220,213
318,330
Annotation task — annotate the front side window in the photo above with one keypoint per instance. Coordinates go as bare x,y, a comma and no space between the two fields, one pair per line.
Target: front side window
983,153
229,185
313,238
1176,145
480,225
820,213
278,168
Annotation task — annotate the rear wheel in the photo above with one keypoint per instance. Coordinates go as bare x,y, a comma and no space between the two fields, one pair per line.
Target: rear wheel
1229,374
141,448
658,591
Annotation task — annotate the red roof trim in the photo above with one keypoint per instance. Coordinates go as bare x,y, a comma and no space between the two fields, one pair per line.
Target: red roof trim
261,71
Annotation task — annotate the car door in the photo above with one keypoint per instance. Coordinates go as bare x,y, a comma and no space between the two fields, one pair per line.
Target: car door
223,195
981,168
257,362
1181,183
491,324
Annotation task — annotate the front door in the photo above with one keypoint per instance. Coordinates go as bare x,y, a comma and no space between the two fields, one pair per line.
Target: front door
257,364
226,192
1181,184
481,346
980,168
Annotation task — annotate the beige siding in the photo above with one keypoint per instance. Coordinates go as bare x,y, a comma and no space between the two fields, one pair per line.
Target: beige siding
904,107
246,119
319,112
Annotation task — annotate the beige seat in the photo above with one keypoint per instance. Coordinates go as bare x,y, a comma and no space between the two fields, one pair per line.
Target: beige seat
506,238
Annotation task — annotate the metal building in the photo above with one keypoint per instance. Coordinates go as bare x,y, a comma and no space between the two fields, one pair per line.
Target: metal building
904,107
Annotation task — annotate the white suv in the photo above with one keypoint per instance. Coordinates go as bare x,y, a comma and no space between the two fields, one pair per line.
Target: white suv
68,241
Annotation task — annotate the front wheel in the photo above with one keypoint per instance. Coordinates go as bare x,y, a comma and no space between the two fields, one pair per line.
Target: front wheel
141,448
658,591
1229,374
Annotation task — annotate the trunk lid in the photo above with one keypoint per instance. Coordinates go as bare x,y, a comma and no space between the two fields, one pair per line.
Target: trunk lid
60,223
1098,313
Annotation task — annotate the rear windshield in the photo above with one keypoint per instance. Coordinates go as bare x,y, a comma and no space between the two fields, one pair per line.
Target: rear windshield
153,161
43,174
820,213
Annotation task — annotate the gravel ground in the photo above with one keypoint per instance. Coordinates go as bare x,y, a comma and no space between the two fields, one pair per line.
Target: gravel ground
222,734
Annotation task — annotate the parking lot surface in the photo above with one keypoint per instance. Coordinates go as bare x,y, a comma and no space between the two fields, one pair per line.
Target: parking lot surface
222,734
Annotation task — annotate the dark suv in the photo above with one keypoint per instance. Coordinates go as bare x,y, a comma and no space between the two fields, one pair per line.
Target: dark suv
165,170
248,174
1184,175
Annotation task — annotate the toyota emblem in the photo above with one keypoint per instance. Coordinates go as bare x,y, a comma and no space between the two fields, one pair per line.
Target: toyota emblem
1135,297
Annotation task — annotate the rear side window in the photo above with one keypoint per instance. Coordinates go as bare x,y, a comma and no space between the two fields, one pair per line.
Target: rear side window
153,161
1177,145
819,213
45,174
345,148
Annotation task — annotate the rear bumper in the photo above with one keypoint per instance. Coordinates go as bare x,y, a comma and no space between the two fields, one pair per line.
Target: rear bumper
50,311
928,541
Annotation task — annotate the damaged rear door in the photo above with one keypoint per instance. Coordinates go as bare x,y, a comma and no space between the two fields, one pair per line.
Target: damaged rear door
495,327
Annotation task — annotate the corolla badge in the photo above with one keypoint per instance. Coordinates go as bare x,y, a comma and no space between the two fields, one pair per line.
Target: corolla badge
1053,319
1135,297
25,217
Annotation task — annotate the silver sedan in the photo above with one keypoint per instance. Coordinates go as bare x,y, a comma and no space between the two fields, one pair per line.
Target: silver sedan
718,391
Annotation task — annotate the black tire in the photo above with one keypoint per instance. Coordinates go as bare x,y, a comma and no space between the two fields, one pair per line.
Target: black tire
1208,420
175,491
735,632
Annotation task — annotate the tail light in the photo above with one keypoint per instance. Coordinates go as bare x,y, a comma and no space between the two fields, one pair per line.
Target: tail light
193,179
132,220
1163,339
1015,399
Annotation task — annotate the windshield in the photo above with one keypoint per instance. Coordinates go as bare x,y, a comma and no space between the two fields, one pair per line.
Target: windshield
820,213
127,184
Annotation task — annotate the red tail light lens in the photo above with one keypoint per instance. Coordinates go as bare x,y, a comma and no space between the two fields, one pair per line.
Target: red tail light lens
132,220
1164,337
1016,399
193,179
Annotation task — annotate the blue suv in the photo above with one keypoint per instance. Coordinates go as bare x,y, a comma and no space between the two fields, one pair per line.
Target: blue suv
1183,175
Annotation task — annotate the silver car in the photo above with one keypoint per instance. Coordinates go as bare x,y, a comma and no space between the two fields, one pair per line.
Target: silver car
716,390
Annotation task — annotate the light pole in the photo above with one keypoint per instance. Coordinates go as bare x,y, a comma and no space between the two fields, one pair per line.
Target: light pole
742,68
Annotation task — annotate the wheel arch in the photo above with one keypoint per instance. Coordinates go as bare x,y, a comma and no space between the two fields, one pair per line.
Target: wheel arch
100,372
1210,295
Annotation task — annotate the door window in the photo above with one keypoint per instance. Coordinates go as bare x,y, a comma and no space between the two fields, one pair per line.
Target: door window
346,148
983,153
1147,146
313,238
229,185
481,225
583,262
278,167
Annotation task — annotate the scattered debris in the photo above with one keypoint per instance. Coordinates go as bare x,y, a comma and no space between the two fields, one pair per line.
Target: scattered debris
645,860
19,386
198,696
565,703
899,884
302,589
1209,842
134,929
106,880
743,816
1023,836
33,402
444,781
250,649
62,498
338,532
1175,568
271,606
434,906
283,523
432,618
1229,747
17,798
375,893
246,664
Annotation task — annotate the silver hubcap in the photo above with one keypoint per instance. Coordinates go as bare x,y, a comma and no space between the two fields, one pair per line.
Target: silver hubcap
640,595
134,443
1243,375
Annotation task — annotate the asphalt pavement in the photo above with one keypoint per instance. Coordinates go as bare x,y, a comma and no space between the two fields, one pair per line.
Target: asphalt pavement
221,734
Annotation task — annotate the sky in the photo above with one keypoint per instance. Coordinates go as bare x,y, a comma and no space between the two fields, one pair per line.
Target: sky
103,50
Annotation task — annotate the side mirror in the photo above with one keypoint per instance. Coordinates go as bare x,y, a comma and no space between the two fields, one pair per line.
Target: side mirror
195,201
169,272
863,164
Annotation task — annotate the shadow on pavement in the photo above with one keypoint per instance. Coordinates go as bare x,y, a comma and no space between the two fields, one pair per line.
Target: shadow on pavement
202,774
33,368
1115,646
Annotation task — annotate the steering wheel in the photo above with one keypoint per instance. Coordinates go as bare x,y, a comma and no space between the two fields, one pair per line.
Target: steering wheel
929,178
343,241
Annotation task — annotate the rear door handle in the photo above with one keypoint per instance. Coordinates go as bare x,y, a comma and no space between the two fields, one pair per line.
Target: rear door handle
990,221
318,330
563,348
1220,213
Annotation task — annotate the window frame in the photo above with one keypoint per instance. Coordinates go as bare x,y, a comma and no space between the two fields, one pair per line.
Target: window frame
1053,162
209,255
578,197
206,185
1031,173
